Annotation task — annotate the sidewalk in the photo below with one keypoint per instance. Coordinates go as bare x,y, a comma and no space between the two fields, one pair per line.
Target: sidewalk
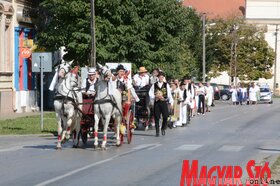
5,116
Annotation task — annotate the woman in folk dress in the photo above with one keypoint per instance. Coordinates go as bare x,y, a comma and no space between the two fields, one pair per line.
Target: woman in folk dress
183,107
234,97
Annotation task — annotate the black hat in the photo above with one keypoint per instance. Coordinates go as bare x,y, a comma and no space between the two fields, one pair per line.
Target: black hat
120,67
161,74
187,78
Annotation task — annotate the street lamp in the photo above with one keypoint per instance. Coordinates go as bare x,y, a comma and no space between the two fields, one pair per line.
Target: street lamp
92,30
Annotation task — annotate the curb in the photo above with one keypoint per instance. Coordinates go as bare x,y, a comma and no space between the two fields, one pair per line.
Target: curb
27,135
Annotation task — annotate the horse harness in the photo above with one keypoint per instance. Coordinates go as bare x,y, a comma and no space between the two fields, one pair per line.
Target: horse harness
103,100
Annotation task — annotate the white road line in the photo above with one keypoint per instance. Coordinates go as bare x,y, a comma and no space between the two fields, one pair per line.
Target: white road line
230,148
73,172
11,149
189,147
137,148
230,117
144,146
155,146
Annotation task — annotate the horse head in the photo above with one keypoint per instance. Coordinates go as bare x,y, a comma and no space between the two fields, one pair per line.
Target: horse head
69,78
104,72
63,68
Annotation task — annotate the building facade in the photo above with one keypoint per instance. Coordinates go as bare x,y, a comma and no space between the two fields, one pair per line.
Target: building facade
17,82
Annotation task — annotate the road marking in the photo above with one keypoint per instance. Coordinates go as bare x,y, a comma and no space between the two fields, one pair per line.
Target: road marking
137,148
73,172
143,146
189,147
155,146
230,148
11,149
230,117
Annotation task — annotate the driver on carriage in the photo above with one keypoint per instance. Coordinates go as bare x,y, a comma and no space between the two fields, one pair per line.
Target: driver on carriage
87,87
142,79
124,86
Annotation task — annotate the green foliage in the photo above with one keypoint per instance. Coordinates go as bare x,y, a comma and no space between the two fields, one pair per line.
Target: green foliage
254,58
158,33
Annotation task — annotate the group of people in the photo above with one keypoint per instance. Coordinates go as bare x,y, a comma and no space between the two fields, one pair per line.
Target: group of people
245,95
175,101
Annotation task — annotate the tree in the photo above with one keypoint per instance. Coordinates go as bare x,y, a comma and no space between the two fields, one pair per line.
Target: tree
158,33
254,58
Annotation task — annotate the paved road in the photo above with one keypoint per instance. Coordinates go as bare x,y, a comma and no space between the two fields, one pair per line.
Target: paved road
229,135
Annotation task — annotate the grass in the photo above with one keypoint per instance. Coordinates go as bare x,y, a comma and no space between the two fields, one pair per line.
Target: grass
275,169
29,125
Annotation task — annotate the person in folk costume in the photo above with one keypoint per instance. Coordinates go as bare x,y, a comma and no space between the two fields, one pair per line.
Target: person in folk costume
153,80
160,92
209,96
194,102
154,76
234,97
88,84
142,79
189,96
243,94
124,85
201,98
175,113
253,90
183,106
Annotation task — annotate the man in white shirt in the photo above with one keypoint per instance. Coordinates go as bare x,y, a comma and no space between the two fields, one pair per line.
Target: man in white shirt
88,89
160,92
141,79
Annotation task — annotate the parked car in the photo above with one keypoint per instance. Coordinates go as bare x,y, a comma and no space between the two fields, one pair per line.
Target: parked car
225,93
266,95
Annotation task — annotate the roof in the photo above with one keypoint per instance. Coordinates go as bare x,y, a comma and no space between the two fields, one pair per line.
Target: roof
218,8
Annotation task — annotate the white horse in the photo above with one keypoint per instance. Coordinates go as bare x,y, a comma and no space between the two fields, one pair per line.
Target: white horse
68,104
106,105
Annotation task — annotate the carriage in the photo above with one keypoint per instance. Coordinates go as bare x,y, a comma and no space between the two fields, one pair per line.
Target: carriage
143,108
87,123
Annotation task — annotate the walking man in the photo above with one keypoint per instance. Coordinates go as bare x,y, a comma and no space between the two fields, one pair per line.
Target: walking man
160,92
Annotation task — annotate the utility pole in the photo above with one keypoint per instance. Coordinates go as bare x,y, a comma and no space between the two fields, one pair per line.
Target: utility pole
235,53
203,46
231,62
92,29
275,65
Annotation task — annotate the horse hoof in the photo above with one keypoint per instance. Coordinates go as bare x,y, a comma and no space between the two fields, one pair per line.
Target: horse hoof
75,146
118,145
95,146
147,128
58,148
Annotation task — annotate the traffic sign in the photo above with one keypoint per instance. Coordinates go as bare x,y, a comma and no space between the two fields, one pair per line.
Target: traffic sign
25,52
42,58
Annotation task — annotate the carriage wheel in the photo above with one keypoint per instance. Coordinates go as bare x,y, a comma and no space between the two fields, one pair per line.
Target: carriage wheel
84,136
129,126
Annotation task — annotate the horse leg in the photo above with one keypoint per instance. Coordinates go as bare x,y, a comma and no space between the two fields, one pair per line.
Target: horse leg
105,130
117,126
77,131
96,121
59,130
64,127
